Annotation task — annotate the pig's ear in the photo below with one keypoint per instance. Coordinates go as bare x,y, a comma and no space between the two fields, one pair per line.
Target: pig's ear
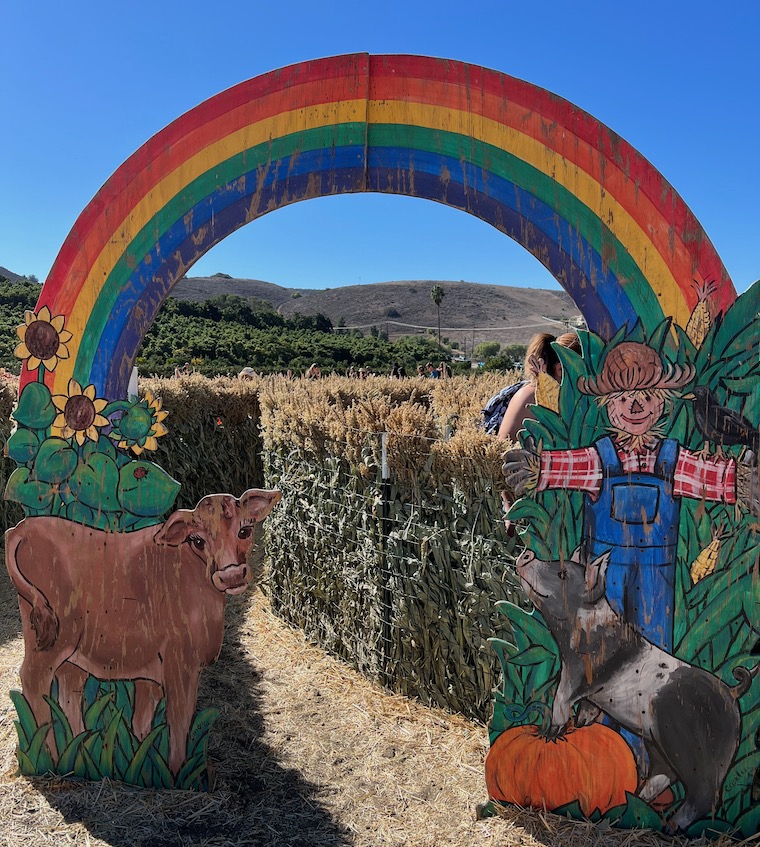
176,529
596,573
257,503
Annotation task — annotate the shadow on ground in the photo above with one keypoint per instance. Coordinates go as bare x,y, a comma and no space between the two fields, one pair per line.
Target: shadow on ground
255,799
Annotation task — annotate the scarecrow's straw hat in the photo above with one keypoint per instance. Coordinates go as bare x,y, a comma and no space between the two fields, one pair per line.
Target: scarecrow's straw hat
632,366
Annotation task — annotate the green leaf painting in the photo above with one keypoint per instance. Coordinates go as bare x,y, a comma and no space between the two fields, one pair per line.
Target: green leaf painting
55,461
35,408
145,489
23,445
108,747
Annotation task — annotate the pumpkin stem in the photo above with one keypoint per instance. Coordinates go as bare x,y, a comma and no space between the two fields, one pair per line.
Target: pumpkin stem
519,713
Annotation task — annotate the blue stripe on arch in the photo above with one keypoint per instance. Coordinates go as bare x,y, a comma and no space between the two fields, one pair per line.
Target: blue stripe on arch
288,176
508,207
114,367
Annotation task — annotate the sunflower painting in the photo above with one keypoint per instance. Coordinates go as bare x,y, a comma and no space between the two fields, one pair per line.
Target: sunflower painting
79,455
43,339
141,425
79,413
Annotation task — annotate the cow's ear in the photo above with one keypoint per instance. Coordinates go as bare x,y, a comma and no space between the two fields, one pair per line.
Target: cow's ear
257,503
176,529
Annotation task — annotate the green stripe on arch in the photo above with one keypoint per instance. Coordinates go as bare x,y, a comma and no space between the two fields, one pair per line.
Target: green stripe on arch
511,168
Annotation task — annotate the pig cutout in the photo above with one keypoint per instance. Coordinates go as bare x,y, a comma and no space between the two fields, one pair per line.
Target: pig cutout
146,606
688,718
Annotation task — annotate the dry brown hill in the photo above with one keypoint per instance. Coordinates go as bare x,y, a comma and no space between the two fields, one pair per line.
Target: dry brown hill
468,311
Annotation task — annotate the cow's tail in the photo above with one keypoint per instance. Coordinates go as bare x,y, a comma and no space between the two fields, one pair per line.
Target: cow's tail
43,619
745,677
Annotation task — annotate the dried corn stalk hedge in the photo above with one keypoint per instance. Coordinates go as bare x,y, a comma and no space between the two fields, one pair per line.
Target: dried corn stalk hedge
399,578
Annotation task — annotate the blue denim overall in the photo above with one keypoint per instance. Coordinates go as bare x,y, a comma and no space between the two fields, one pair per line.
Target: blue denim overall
636,518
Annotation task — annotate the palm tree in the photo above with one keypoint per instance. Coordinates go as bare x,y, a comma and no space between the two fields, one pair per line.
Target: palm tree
436,295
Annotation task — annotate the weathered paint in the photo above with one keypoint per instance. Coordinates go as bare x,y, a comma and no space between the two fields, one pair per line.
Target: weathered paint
593,210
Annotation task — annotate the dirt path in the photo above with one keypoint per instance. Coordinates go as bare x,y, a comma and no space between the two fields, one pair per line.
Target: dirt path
306,754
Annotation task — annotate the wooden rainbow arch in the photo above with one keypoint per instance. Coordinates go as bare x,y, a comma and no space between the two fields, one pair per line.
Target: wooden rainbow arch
594,211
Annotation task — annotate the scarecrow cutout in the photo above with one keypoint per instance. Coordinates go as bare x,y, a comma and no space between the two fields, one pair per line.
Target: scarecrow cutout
629,692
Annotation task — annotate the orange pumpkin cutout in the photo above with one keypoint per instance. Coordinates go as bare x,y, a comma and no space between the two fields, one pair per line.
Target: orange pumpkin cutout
592,765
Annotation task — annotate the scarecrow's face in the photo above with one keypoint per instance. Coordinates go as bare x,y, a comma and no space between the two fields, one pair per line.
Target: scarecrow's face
635,411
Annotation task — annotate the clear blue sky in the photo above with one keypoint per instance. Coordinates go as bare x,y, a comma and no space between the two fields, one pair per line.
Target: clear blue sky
84,84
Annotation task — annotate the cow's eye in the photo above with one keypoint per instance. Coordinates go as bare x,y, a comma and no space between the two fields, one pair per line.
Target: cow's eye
562,574
245,532
198,542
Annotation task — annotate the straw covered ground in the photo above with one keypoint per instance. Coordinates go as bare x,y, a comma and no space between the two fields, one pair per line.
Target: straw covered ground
306,753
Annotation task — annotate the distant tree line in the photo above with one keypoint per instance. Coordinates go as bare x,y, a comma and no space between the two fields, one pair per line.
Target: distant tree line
225,333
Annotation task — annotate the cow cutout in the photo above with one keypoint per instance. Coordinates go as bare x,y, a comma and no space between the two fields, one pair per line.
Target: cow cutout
146,606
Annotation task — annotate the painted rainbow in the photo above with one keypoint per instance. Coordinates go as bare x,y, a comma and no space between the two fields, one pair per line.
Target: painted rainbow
597,214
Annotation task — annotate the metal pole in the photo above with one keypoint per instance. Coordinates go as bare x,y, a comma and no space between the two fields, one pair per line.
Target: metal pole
385,531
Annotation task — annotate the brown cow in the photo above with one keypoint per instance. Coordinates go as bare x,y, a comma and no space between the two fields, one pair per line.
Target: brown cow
146,605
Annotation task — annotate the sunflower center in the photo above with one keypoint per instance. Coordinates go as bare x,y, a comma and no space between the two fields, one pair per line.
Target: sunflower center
42,339
79,412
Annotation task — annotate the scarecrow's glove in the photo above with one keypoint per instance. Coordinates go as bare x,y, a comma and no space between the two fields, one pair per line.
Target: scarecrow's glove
522,468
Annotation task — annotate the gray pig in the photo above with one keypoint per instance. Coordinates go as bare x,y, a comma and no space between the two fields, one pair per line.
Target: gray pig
688,718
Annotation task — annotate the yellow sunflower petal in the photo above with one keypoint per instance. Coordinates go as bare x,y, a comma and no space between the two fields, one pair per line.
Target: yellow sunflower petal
32,363
59,401
93,433
22,351
57,323
90,392
150,443
80,436
60,421
21,332
136,449
62,352
44,314
162,416
74,388
29,317
50,363
123,445
68,431
100,404
100,421
158,429
148,396
65,336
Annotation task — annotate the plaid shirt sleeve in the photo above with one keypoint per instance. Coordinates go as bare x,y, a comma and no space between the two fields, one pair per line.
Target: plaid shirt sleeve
709,478
579,470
